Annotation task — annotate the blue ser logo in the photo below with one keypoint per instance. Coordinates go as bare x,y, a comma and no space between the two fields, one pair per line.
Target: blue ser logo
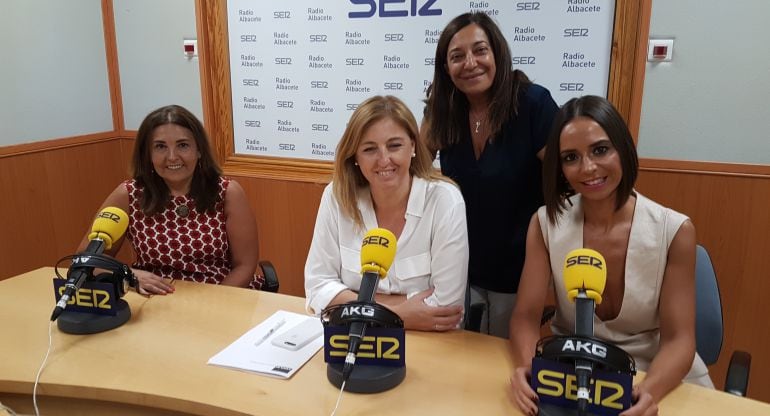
424,9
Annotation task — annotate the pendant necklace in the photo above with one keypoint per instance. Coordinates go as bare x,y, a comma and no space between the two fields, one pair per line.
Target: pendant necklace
478,119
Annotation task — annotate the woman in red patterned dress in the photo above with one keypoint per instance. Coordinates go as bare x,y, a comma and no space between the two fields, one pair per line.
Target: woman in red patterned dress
186,221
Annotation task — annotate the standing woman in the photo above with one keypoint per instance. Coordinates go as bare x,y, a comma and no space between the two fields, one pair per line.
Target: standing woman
186,221
490,124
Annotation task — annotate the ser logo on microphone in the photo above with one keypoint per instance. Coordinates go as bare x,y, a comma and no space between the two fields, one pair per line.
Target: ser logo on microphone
557,384
378,348
585,260
376,239
109,216
89,298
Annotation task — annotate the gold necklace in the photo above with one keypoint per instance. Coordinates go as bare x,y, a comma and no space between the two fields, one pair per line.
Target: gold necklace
477,121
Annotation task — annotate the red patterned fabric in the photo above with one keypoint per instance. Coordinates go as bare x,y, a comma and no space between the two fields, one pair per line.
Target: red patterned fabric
170,245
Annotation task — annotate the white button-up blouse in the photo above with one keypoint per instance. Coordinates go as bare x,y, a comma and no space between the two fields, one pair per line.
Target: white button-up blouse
432,250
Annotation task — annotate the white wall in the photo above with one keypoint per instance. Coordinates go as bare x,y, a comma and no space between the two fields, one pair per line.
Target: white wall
712,102
53,75
153,69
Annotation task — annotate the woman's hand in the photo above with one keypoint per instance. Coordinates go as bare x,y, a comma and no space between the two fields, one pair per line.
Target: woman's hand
523,395
418,315
151,284
644,404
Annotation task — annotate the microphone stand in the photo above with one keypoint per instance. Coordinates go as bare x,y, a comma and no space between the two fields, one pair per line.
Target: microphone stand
584,326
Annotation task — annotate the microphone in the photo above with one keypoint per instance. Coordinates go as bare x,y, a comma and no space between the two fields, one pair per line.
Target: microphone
109,226
377,252
585,275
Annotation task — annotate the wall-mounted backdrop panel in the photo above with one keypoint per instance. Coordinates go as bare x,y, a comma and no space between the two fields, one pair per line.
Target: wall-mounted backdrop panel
299,69
153,68
53,79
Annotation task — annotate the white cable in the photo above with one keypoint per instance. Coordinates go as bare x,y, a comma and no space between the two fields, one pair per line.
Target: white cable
40,370
336,406
7,409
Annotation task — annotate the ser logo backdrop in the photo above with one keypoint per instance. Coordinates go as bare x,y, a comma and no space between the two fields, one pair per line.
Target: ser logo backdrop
300,67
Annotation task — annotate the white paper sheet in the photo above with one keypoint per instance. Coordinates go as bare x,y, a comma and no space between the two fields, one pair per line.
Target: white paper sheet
254,352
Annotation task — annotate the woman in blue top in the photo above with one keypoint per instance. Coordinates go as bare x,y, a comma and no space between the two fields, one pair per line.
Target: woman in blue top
489,123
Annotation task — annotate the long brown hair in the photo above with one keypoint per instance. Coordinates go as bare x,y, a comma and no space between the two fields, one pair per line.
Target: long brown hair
155,192
348,178
556,190
447,110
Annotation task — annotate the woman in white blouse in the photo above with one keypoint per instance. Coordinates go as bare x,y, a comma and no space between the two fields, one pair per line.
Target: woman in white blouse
383,177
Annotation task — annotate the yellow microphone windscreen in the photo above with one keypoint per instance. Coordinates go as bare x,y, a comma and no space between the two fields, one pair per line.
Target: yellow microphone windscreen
109,226
585,269
377,251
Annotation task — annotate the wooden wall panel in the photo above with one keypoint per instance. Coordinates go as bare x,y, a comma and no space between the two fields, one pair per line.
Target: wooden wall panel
285,212
49,198
731,218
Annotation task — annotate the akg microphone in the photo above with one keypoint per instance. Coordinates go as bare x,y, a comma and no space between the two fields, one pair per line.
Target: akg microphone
585,275
377,252
108,227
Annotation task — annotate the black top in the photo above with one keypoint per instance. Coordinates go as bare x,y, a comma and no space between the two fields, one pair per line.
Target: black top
502,189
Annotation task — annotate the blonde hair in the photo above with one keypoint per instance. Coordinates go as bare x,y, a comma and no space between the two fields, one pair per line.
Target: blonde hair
348,179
